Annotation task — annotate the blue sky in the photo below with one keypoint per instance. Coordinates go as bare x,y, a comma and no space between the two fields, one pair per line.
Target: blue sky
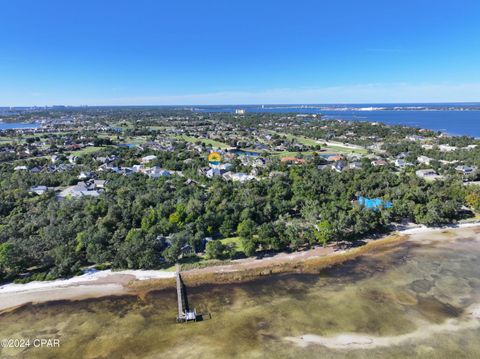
102,52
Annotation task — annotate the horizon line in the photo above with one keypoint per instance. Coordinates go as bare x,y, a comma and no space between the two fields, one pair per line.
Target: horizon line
251,105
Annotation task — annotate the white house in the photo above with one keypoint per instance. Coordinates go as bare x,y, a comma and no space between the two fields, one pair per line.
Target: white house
400,163
39,189
85,175
137,168
427,147
149,158
339,166
424,160
225,166
378,163
237,177
213,172
81,189
157,172
428,174
355,165
447,148
72,159
415,138
466,170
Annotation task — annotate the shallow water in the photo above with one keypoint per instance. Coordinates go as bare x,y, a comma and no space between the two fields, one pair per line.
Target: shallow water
412,299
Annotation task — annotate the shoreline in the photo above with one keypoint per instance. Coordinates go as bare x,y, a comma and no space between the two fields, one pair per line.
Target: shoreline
97,284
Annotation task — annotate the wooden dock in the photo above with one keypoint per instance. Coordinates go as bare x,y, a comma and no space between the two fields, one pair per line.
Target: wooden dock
184,313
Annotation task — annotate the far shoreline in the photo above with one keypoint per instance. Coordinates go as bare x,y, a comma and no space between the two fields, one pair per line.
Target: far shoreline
140,282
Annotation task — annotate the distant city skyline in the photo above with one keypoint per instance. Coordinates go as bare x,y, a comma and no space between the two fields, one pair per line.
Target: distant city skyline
217,52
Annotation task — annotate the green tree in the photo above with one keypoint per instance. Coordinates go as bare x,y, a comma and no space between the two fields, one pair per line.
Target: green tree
324,232
473,199
246,228
9,260
217,250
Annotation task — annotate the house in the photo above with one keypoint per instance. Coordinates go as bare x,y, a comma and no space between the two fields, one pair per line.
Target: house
447,148
378,163
213,172
339,166
148,159
259,162
400,163
81,189
415,138
39,189
294,160
157,172
137,168
237,177
55,159
72,159
355,165
106,159
73,147
225,166
334,158
85,175
20,168
428,174
35,169
424,160
276,174
354,157
466,170
100,184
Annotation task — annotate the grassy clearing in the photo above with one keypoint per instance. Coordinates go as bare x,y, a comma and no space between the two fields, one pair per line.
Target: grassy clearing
235,240
345,150
206,141
137,140
5,140
328,149
300,139
291,154
156,128
86,151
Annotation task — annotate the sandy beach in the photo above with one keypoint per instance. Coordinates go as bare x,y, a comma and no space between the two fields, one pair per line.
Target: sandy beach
94,284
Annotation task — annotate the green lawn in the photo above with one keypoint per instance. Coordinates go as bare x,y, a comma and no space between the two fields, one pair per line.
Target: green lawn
290,153
345,150
137,140
157,128
5,140
86,151
326,149
303,140
206,141
236,240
